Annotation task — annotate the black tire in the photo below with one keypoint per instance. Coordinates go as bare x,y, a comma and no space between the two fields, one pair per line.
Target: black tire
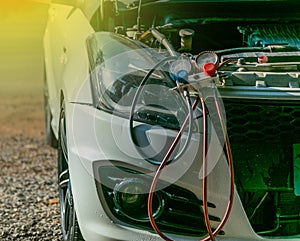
50,137
69,224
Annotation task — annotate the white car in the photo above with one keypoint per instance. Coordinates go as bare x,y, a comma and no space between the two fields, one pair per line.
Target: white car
175,120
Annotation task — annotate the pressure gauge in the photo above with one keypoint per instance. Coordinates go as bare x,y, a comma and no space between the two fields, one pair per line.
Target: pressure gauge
206,57
180,68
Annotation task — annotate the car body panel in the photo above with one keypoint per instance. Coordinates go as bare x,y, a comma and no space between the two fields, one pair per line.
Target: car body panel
85,64
62,55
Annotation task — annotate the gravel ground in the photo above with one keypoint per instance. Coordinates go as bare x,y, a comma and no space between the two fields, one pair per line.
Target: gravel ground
29,208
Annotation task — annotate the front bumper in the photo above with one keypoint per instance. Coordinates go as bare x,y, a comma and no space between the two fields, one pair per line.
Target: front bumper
92,140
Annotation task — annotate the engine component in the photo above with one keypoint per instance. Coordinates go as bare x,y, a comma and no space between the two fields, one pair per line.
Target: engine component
274,69
186,36
262,59
265,35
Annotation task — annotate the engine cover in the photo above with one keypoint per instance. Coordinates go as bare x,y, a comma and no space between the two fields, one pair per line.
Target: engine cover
266,35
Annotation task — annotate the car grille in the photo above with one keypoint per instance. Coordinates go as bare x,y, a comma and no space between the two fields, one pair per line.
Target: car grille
262,135
262,121
183,211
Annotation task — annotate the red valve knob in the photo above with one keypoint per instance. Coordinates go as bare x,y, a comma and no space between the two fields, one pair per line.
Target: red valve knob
209,69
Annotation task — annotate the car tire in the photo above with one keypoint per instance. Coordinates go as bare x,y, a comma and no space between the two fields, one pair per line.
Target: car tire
69,224
50,137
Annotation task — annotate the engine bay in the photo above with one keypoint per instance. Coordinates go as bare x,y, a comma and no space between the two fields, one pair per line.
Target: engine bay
258,66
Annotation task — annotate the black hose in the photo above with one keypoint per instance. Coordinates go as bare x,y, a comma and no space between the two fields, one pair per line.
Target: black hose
134,103
190,127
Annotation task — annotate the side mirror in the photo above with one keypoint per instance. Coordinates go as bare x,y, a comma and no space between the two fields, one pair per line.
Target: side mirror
75,3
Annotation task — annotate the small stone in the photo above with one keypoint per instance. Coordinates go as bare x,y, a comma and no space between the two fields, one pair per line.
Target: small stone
53,201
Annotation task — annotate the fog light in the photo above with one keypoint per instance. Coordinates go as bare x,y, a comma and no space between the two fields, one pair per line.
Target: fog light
130,199
123,192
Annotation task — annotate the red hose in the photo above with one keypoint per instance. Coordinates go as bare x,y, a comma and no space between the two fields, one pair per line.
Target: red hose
211,234
204,173
157,174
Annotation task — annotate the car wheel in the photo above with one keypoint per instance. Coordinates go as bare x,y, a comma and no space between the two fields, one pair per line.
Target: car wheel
50,137
69,224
